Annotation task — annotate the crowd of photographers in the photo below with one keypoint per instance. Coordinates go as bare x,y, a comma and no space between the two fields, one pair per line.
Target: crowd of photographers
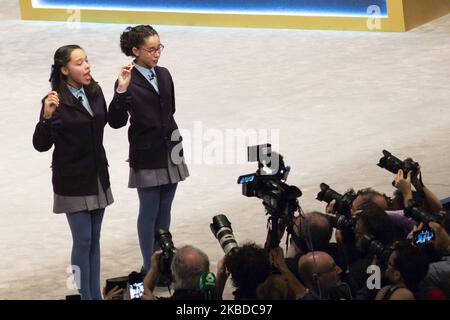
384,248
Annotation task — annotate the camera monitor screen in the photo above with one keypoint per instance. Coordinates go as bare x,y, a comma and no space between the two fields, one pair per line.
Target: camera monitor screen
424,236
136,290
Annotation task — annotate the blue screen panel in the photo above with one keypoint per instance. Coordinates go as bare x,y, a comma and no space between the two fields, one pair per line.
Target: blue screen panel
294,7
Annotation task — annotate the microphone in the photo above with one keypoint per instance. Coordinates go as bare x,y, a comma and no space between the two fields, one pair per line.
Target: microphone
80,98
208,285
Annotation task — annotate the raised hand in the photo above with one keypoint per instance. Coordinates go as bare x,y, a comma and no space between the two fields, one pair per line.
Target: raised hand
50,104
124,78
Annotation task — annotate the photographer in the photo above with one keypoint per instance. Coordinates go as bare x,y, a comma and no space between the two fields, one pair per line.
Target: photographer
320,274
248,266
402,224
407,267
369,195
424,195
372,223
439,272
188,265
313,231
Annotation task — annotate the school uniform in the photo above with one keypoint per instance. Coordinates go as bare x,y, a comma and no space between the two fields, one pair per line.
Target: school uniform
149,105
79,165
80,176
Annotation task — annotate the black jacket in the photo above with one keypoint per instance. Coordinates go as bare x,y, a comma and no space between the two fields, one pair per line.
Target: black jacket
151,119
78,157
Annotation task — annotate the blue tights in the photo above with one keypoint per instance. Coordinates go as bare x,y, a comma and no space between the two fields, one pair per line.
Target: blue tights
85,227
155,204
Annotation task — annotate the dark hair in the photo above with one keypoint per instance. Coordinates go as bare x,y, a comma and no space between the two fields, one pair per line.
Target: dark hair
369,194
135,37
61,59
377,223
275,287
249,266
411,263
58,80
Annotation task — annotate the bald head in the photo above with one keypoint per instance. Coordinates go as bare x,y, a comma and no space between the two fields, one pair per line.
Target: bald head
321,264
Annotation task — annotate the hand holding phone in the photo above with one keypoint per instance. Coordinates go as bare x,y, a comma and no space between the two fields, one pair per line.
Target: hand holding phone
424,236
135,285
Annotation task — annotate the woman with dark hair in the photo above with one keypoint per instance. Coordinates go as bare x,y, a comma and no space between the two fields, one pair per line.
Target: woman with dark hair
72,118
145,92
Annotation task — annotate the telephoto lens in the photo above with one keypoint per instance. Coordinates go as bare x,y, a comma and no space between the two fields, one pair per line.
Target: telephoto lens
164,239
221,229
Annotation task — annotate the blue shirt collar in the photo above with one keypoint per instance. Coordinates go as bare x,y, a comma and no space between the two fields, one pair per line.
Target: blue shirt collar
76,92
145,71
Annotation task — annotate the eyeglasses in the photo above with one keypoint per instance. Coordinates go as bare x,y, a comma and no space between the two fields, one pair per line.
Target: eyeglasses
159,48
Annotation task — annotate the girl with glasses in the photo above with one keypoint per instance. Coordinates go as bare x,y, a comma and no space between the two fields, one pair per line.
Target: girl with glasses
144,93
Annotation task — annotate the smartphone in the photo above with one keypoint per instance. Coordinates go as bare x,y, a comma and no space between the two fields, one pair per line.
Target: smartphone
424,236
136,290
120,282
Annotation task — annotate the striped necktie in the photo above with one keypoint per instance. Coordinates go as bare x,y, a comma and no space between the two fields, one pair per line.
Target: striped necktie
153,80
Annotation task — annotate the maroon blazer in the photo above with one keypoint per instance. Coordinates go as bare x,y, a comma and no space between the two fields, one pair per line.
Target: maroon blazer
78,157
151,119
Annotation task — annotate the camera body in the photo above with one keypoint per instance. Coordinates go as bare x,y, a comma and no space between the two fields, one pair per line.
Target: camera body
135,285
419,215
393,164
343,202
221,229
423,236
120,282
341,222
375,247
164,240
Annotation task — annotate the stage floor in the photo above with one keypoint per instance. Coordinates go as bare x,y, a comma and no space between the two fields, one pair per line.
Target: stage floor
337,99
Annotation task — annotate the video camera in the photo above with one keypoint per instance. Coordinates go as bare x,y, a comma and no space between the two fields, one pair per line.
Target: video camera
279,199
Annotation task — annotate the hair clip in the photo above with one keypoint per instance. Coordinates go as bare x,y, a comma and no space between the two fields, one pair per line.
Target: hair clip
52,73
127,29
